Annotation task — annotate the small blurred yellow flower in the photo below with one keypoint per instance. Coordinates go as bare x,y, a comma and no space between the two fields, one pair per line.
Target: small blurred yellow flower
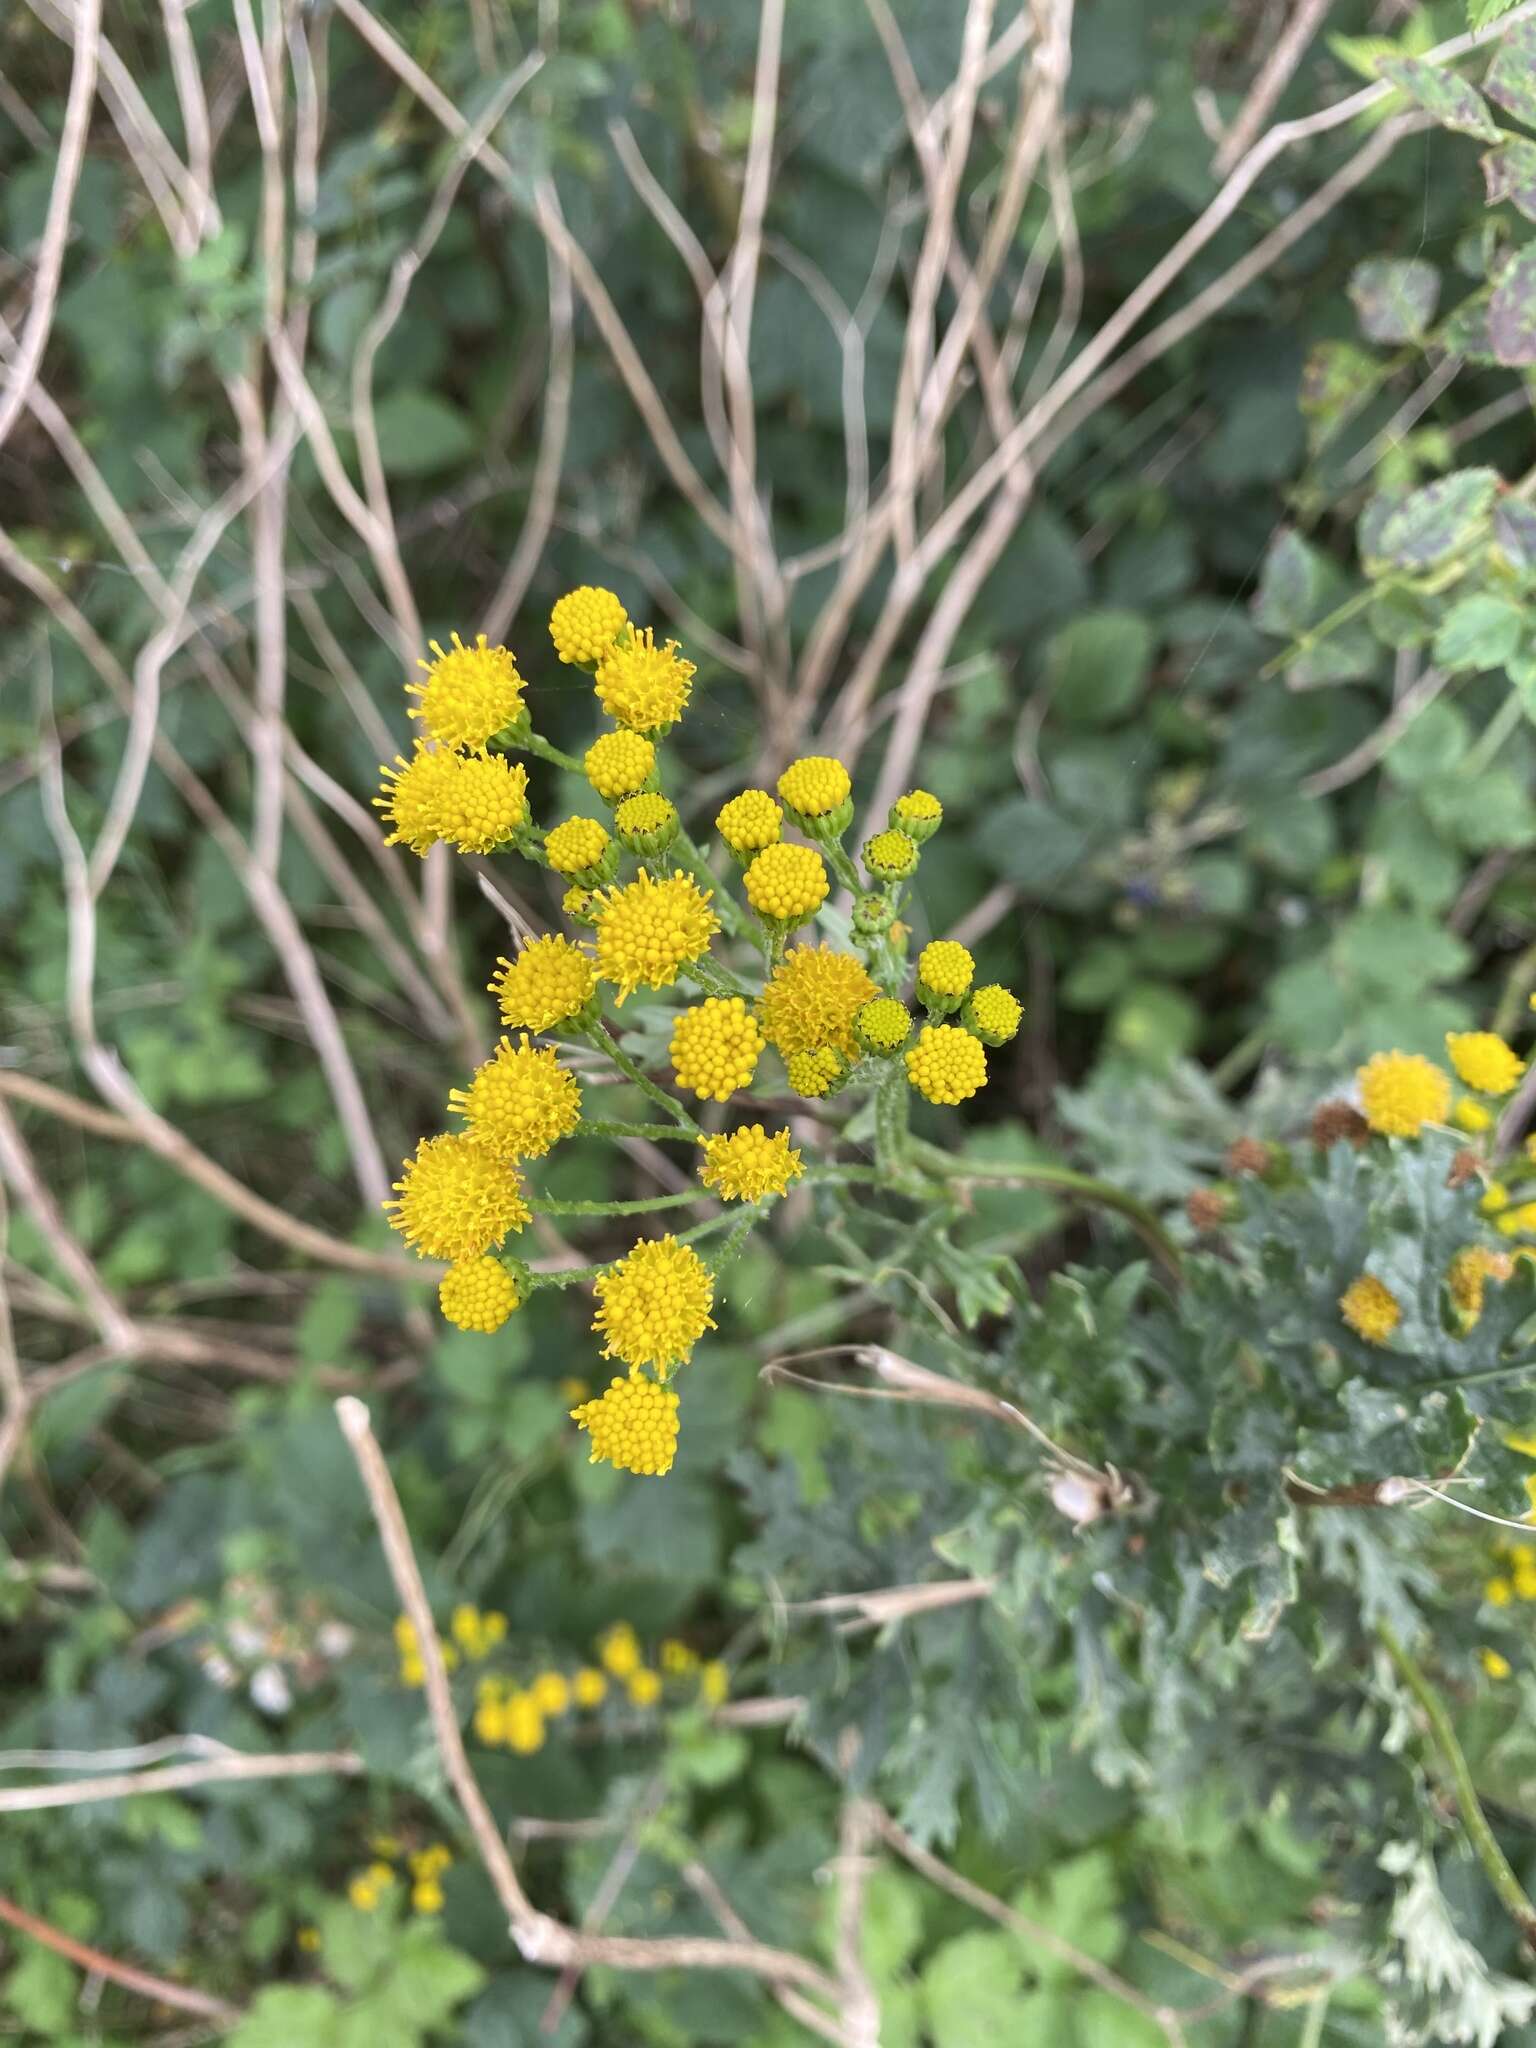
643,1687
1483,1061
1400,1092
1495,1665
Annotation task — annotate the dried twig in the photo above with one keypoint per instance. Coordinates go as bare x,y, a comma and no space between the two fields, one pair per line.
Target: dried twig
93,1960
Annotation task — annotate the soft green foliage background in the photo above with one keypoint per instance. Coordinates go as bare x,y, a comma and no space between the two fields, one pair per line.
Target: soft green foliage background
1219,594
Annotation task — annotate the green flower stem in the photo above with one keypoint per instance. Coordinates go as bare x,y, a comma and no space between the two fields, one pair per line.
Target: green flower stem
535,743
1083,1187
638,1208
893,1110
841,865
731,914
583,1276
715,980
1507,1887
607,1127
744,1224
605,1042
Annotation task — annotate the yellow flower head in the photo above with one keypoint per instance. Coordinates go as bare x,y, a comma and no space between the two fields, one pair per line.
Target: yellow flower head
1468,1272
815,1073
619,1647
549,981
1400,1092
715,1683
647,930
890,856
619,764
577,903
715,1048
882,1026
1495,1665
647,823
577,846
1483,1061
654,1305
589,1687
632,1427
1494,1198
750,822
426,1895
477,1294
787,883
642,685
470,693
472,801
945,967
812,998
677,1658
745,1164
456,1199
994,1013
585,623
1521,1220
1370,1310
815,786
524,1724
643,1687
520,1102
917,808
946,1064
552,1691
1472,1116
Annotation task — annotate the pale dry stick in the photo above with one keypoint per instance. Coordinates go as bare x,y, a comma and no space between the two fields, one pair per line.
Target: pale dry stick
17,110
203,210
16,1163
98,1964
1163,2017
1013,40
1038,120
897,1603
702,1883
127,1759
992,908
49,268
539,1938
549,463
402,275
151,1131
626,357
1361,759
1069,310
1412,409
762,597
161,170
857,1823
917,341
222,1770
850,344
1270,81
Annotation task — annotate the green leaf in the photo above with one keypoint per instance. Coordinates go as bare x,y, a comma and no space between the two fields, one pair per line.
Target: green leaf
1433,522
429,1978
1479,632
1395,297
1444,95
289,2016
1512,311
1511,80
41,1989
1290,586
972,1990
1077,1901
1098,666
1509,172
893,1923
1100,2020
420,432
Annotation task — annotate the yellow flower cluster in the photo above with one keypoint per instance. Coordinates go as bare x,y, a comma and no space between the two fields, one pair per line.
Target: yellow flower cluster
1400,1092
371,1886
1370,1309
516,1715
645,906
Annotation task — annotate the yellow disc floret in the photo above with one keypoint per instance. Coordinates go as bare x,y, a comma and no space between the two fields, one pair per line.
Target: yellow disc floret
1469,1272
917,807
815,1073
576,846
883,1025
470,692
812,998
633,1426
549,981
1483,1061
520,1102
472,801
947,1064
585,623
654,1305
815,785
456,1199
643,686
647,822
994,1013
750,822
648,930
946,967
477,1294
890,856
619,764
715,1048
1370,1309
1400,1092
787,883
744,1165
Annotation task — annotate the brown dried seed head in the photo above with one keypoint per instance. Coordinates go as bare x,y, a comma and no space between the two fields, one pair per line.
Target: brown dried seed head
1207,1208
1332,1121
1247,1155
